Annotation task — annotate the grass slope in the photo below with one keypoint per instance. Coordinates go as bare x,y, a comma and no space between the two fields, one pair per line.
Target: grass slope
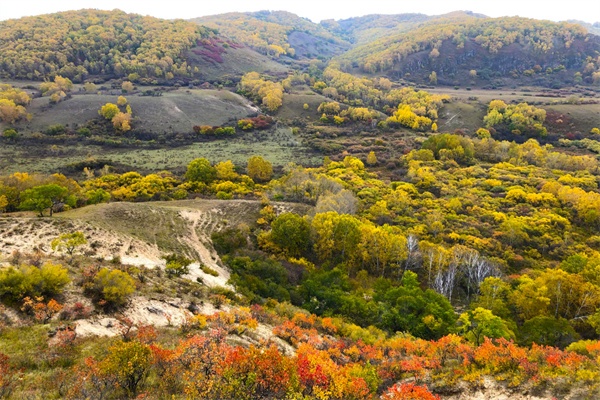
233,62
173,112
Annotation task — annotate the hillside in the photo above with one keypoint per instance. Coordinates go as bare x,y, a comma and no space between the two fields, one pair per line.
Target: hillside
277,33
78,44
369,28
516,48
592,28
99,45
451,276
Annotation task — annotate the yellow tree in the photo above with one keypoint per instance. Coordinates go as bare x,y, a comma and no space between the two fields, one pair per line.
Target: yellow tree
109,110
226,171
259,169
273,101
3,203
11,112
530,298
336,236
433,78
381,248
90,87
371,158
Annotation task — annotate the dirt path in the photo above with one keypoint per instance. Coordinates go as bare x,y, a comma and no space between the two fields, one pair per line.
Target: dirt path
205,223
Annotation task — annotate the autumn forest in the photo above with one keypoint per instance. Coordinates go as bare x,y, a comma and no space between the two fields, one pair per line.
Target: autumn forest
258,206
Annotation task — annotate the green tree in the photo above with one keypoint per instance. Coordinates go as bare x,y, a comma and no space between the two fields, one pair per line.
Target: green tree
324,291
259,169
12,134
69,242
291,232
480,323
97,196
408,308
200,170
449,146
44,197
548,331
177,265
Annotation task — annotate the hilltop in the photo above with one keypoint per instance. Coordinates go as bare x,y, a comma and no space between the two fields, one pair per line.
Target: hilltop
100,45
510,49
368,28
277,33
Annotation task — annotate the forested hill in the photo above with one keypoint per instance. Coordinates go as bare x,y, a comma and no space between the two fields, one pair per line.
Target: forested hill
93,44
362,30
277,33
591,28
76,44
498,46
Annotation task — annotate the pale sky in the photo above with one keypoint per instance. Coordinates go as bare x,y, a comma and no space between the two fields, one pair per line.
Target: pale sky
316,10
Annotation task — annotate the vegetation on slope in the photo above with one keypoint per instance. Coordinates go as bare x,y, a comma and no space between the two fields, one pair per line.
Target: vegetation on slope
547,43
505,231
269,32
430,263
77,44
368,28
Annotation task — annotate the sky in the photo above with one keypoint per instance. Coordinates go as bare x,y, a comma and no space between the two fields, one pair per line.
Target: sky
317,10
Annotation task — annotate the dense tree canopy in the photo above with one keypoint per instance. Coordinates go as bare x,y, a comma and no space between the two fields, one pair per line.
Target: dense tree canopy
77,44
492,34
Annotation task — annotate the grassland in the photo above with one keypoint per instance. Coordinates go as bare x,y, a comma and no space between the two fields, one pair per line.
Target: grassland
293,104
169,120
236,62
173,112
279,146
470,106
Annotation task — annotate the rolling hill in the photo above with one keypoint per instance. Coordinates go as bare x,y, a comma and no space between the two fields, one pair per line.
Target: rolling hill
77,44
99,45
277,33
368,28
493,47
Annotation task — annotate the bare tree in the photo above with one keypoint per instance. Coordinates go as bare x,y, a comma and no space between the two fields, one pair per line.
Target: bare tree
476,268
445,280
413,254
